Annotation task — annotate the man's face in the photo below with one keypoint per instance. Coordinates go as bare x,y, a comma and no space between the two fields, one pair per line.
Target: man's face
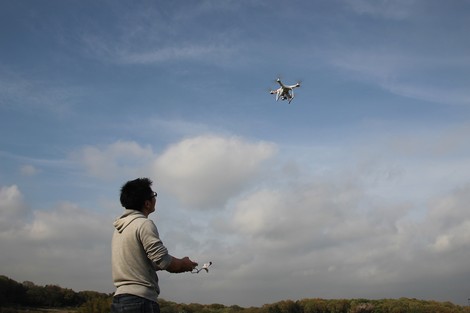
150,204
153,201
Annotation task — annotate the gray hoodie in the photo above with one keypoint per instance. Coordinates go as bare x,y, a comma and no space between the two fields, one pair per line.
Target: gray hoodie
137,253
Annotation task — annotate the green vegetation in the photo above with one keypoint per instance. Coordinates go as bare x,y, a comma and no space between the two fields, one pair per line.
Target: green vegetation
26,297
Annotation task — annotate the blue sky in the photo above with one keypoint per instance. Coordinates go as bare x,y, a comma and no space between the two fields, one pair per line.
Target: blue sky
358,188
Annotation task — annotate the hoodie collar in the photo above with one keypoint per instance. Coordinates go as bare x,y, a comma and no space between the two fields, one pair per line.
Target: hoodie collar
126,218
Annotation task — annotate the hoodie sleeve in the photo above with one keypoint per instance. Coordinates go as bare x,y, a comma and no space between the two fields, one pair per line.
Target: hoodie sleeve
153,245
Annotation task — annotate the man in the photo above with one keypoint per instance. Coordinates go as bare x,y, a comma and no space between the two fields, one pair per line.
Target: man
138,252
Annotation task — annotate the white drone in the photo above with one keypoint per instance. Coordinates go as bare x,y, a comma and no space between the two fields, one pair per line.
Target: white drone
204,267
284,92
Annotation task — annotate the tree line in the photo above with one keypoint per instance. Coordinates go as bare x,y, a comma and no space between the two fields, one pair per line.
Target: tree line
28,294
15,297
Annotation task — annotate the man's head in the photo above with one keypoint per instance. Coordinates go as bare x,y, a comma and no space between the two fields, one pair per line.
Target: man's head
137,194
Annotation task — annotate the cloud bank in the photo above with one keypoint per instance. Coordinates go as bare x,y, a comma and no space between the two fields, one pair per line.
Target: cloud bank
277,239
206,171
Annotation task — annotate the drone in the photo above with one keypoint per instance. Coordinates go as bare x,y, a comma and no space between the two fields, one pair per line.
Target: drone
204,267
284,92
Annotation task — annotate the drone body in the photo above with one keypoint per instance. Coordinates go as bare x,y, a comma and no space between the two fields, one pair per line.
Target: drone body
284,92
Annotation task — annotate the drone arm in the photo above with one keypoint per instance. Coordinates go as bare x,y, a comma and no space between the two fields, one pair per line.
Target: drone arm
280,83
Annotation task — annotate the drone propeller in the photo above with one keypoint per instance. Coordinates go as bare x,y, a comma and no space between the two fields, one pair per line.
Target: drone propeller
278,78
276,81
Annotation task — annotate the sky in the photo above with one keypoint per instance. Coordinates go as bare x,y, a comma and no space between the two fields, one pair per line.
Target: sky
359,188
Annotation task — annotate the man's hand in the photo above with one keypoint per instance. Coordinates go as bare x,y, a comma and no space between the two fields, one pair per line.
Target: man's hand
181,265
188,264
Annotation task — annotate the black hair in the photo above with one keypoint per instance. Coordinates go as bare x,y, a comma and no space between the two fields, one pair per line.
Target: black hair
135,192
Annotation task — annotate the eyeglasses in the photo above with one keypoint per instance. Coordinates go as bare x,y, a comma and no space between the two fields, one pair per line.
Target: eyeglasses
154,194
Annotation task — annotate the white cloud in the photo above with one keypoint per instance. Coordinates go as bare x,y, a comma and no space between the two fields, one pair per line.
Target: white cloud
154,52
190,51
13,210
28,170
308,216
384,8
201,172
206,171
331,237
148,35
401,71
120,159
69,244
448,220
28,94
